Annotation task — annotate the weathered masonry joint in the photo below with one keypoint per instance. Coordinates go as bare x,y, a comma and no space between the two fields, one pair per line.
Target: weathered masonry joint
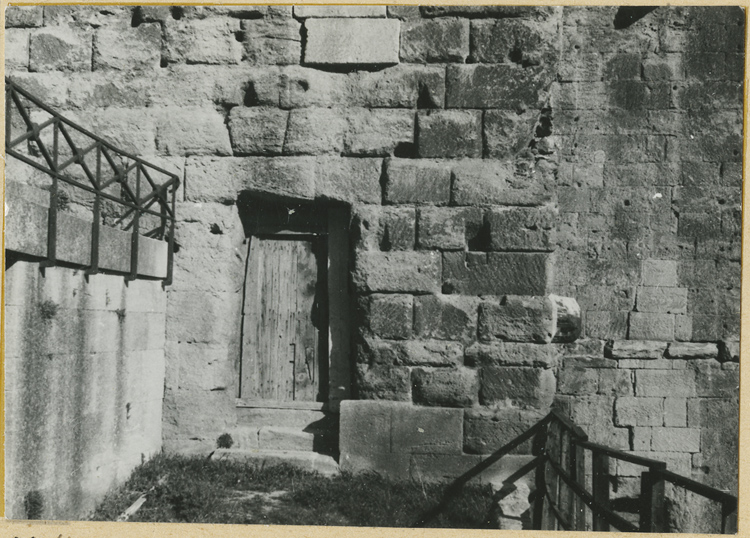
403,235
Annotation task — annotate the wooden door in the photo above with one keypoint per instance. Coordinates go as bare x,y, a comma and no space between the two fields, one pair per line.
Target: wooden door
284,320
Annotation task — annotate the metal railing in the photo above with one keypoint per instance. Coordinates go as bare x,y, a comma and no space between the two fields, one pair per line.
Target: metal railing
561,494
564,496
107,172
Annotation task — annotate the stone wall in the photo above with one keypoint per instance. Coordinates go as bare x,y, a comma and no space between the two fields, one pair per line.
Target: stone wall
84,382
491,157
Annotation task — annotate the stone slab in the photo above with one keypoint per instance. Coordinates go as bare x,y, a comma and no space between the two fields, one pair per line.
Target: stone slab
424,430
347,41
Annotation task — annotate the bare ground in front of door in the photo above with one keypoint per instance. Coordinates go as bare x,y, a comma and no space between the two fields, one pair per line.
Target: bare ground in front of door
197,490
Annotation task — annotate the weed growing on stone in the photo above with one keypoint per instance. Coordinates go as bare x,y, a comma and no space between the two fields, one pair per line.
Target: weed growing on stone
197,490
48,309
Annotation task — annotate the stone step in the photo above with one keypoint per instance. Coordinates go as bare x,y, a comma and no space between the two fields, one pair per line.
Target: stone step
283,438
308,461
290,418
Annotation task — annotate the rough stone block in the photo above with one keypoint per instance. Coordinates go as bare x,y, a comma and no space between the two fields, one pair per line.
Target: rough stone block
417,181
128,49
272,41
449,133
440,40
291,176
424,430
345,41
488,182
300,87
60,49
191,131
525,42
446,317
412,352
506,86
574,379
404,12
397,228
496,273
522,228
482,11
486,430
690,350
511,354
257,130
211,179
651,326
675,412
348,180
507,132
676,439
378,131
365,427
204,41
16,49
615,382
454,387
405,272
383,383
659,273
391,316
517,385
729,351
201,317
23,16
442,228
363,11
639,411
713,381
517,319
661,300
663,383
402,86
568,319
635,349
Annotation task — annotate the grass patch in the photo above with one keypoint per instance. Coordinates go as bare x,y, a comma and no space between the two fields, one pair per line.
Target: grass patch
197,490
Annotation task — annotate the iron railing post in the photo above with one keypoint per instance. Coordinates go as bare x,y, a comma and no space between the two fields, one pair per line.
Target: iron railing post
170,248
54,201
136,222
652,509
600,487
94,268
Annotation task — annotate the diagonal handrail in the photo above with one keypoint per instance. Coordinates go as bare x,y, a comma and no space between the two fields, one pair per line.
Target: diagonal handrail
161,184
560,457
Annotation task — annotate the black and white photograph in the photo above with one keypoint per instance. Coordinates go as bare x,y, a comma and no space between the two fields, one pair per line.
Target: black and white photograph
470,267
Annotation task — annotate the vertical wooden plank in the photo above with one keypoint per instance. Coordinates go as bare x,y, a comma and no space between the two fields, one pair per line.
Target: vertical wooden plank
541,513
600,487
563,491
304,331
578,472
553,480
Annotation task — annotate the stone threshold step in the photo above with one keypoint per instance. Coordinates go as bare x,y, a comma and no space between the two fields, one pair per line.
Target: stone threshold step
307,461
282,438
